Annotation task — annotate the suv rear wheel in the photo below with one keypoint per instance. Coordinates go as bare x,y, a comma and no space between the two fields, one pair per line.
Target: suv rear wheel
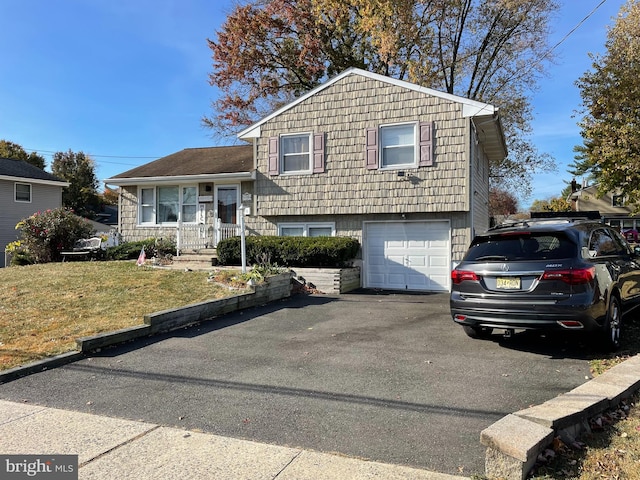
612,325
477,332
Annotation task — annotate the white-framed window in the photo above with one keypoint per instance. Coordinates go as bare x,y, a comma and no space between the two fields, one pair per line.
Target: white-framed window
189,204
314,229
398,145
22,192
295,153
162,204
617,201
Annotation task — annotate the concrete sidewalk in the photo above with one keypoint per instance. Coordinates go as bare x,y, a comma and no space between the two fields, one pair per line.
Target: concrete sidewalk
110,448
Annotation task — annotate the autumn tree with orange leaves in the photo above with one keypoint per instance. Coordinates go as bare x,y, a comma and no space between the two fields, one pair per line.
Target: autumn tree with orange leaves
269,52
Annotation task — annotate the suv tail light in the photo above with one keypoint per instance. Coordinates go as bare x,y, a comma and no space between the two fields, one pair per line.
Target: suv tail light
578,276
459,276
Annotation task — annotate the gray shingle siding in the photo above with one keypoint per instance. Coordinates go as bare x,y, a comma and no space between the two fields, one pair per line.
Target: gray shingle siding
343,112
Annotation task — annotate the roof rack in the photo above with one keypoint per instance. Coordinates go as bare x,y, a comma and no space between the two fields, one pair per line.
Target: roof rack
588,215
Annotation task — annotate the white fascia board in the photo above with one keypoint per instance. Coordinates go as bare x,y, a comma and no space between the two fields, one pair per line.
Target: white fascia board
34,180
182,179
470,108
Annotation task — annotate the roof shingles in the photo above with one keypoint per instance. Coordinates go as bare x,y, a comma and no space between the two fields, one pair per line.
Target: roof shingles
196,161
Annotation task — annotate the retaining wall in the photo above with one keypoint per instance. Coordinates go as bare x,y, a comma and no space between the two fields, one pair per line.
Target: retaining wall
328,280
514,442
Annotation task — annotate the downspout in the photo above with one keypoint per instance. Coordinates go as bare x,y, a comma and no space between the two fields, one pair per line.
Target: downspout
470,139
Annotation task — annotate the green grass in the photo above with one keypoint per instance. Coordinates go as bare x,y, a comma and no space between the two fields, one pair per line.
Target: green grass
44,308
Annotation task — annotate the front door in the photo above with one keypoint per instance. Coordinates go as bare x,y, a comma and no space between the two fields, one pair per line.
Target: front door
227,204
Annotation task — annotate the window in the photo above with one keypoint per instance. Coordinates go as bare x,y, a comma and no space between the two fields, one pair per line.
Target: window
189,204
23,192
603,243
147,205
296,153
159,205
307,229
398,146
617,201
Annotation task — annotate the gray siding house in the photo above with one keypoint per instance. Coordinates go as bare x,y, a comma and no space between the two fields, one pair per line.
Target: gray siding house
24,190
402,168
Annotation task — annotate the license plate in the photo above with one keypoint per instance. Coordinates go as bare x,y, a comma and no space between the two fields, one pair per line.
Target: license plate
508,283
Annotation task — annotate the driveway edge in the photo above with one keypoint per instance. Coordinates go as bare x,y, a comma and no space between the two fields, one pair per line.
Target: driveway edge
274,288
514,442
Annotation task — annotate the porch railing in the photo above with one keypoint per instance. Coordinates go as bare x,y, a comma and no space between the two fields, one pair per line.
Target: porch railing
200,236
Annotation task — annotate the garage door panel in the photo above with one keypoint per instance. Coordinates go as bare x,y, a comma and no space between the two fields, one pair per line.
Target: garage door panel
408,255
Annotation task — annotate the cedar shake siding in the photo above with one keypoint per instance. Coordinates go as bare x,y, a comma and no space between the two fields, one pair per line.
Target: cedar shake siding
346,186
343,113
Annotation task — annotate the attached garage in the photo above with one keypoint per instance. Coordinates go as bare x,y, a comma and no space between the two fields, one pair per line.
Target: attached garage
407,255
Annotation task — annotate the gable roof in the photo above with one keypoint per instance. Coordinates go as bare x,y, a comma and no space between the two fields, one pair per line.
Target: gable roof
17,170
192,164
484,115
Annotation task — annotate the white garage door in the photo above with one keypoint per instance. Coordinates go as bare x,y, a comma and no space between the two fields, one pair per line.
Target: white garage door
408,255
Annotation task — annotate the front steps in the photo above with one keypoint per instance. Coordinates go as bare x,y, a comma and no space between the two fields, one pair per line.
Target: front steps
202,258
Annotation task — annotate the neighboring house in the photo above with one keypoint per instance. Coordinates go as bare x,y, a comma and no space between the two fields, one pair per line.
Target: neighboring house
24,190
198,189
612,207
402,168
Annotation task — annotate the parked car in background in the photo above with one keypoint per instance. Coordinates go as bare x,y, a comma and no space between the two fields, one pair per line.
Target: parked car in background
547,274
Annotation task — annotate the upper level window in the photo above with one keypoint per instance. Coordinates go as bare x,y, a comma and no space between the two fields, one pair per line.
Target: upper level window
617,201
307,229
23,192
295,153
398,145
404,145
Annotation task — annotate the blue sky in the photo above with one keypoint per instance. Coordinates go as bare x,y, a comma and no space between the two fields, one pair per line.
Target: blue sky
126,80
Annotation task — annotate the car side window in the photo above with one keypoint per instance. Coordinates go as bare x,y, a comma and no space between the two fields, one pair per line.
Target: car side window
602,243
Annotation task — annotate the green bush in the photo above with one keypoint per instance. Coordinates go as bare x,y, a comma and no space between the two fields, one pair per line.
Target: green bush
153,247
290,251
45,234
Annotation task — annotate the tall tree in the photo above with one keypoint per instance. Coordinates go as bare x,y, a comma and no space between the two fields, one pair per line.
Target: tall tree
79,170
15,151
269,51
610,127
502,202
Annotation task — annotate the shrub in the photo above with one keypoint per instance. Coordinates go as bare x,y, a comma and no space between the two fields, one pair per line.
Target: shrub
290,251
153,247
45,234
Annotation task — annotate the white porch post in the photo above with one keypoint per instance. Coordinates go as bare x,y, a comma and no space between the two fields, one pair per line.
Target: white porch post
243,246
179,236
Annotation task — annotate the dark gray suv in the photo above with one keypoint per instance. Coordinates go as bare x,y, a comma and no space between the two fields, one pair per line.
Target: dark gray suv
547,274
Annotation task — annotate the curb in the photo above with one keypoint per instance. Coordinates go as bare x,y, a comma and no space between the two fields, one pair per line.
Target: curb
514,442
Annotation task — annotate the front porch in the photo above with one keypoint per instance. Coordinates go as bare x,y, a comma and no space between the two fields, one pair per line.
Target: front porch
196,237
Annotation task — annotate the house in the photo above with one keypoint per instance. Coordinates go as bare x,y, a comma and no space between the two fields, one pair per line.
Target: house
402,168
24,190
611,206
196,189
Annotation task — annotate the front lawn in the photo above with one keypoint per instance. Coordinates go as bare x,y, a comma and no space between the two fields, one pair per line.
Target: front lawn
44,308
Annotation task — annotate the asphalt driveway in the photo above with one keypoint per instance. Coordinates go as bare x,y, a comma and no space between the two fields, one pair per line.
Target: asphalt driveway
376,375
